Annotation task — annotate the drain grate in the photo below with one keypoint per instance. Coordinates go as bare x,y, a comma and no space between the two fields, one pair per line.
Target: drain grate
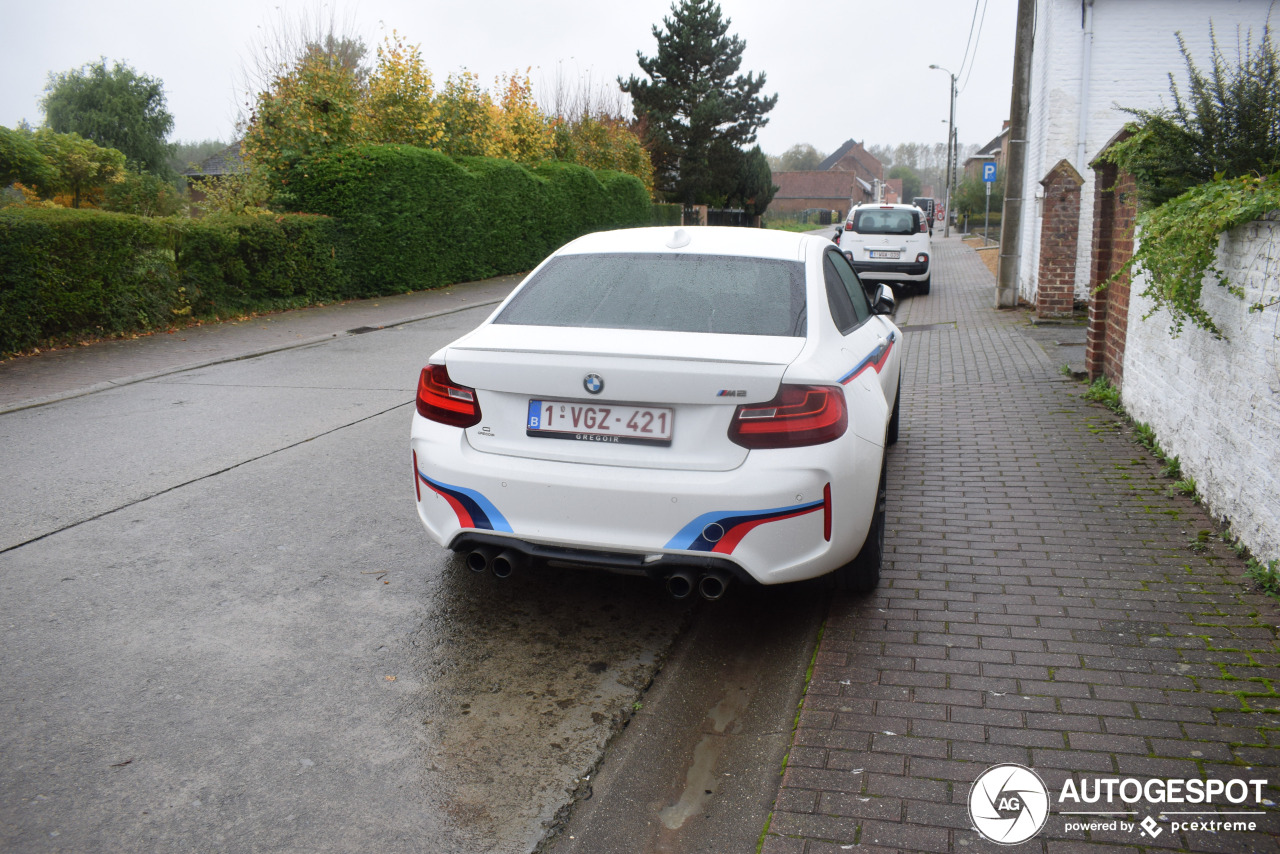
928,327
360,330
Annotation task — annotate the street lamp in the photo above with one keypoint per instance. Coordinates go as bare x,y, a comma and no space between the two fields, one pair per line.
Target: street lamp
951,132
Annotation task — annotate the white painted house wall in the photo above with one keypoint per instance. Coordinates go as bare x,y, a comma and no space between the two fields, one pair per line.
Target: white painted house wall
1216,403
1133,52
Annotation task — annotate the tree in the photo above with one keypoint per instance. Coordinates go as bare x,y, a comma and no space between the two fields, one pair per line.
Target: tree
21,160
142,194
801,157
910,181
971,196
310,108
521,133
698,110
590,127
755,183
400,105
79,165
115,108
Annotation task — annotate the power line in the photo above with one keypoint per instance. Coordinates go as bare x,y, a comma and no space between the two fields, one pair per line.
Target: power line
969,41
981,21
976,40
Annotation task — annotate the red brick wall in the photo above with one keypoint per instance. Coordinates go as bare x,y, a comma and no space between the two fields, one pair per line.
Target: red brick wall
1115,208
1059,231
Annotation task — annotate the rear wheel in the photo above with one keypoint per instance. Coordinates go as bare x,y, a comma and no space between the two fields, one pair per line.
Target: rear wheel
862,574
923,287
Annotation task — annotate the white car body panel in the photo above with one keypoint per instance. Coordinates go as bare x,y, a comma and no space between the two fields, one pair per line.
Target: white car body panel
762,512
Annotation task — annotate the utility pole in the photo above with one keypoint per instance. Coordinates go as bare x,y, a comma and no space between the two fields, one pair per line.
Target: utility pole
951,143
1019,107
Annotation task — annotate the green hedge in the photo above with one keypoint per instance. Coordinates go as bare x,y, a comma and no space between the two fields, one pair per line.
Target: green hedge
419,219
667,214
398,219
71,273
68,274
237,264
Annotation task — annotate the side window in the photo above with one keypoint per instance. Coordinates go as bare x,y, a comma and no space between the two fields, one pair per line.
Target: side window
852,285
842,309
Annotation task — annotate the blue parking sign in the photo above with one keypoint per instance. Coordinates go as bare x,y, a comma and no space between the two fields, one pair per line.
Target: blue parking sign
989,172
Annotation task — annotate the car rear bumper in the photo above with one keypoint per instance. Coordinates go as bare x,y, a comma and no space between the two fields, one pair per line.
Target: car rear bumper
898,271
784,515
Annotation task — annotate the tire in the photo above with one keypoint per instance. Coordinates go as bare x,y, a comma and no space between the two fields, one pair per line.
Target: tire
895,420
862,574
923,287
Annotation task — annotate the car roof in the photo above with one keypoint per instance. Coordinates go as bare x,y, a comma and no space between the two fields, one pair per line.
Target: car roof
697,240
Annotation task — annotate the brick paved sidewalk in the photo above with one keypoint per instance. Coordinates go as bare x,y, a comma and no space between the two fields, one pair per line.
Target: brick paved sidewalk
1041,605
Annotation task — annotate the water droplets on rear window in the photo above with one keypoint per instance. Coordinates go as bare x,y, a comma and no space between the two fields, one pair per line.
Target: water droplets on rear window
664,292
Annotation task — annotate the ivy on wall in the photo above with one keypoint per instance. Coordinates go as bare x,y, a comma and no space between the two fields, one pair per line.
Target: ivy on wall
1208,165
1179,244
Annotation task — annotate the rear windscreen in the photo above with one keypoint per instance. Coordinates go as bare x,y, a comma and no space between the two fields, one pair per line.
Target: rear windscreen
668,293
885,222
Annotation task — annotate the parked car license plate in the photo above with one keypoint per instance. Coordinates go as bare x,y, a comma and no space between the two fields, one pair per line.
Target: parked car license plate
593,422
881,253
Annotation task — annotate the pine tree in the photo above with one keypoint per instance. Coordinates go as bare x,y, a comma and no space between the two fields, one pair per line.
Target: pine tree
700,113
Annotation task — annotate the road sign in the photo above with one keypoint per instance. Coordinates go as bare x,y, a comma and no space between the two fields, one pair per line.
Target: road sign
989,172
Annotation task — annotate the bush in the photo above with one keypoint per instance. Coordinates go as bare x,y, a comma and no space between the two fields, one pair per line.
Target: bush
664,214
419,219
71,273
1228,126
237,264
402,219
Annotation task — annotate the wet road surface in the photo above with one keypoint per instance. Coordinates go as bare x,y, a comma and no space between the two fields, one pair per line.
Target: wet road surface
225,629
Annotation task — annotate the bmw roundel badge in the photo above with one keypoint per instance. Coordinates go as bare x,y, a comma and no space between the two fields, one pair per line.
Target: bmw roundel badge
593,383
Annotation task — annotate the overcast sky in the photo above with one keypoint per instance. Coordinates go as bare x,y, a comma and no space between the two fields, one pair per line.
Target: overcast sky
842,68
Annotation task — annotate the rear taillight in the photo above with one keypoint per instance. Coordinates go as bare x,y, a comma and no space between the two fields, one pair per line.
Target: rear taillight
440,399
848,226
922,258
799,415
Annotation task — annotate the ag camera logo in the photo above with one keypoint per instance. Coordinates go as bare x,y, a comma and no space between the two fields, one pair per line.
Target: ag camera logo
1008,804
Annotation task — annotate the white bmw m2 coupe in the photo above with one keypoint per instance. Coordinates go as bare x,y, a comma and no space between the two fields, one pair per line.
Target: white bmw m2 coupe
694,405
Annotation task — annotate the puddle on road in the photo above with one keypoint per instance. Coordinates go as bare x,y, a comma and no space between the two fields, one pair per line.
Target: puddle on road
522,682
700,780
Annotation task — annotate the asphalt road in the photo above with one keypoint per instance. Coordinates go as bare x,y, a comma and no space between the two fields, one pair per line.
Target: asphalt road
224,629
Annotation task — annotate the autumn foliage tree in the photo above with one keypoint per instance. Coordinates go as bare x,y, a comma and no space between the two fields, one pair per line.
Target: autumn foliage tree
399,105
320,101
310,108
72,171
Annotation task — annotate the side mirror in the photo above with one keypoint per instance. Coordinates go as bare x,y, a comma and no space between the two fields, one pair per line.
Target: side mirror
884,302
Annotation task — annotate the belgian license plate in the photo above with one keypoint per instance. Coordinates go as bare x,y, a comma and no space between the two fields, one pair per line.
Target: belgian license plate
881,253
595,422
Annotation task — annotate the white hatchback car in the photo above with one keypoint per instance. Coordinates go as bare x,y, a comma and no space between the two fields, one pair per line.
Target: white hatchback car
889,243
689,404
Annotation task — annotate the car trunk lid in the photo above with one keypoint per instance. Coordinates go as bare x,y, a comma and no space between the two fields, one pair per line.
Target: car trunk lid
698,378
